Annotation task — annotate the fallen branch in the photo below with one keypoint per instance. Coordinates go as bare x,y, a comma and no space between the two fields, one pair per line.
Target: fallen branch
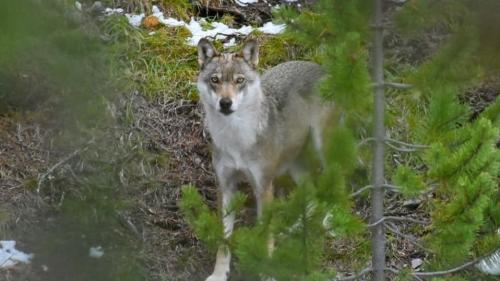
409,238
464,266
451,270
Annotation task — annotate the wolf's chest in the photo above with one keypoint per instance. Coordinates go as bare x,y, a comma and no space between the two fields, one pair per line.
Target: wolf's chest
235,139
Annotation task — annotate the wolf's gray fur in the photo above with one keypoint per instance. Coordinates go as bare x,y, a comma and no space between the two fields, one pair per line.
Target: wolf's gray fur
259,125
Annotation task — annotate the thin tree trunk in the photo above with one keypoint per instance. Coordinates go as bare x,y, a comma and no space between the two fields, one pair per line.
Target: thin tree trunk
377,200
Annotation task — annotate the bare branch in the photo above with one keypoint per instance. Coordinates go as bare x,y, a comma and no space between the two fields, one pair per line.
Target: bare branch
44,176
400,149
391,187
365,141
399,86
464,266
355,276
361,190
411,145
392,228
451,270
386,218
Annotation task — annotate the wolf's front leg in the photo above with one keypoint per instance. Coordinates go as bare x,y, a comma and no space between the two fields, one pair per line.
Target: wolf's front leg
265,196
223,259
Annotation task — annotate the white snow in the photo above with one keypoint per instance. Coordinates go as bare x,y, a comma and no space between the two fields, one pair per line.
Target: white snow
135,20
96,252
78,6
10,256
271,28
232,42
110,11
246,2
416,263
166,21
218,30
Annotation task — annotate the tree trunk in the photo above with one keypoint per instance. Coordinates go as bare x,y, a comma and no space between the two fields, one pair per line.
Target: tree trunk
377,200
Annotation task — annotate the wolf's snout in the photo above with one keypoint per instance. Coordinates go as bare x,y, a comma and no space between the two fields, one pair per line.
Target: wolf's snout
225,105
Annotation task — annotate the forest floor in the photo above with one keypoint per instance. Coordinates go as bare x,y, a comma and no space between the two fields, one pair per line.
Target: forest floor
151,224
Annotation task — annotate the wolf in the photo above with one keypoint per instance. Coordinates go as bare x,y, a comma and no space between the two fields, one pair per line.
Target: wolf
259,125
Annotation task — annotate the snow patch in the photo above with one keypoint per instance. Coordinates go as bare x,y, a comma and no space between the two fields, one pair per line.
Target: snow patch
271,28
245,3
10,256
231,43
110,11
135,20
96,252
78,6
218,31
166,21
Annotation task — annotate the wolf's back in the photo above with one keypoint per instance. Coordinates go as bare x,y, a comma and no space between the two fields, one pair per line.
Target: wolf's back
291,78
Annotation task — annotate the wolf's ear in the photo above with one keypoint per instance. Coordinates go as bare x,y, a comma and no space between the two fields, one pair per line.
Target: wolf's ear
250,52
206,51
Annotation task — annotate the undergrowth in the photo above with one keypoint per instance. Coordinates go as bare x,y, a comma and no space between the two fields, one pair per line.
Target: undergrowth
160,62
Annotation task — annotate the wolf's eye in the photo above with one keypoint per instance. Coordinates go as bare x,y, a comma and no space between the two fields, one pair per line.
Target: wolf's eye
240,80
214,79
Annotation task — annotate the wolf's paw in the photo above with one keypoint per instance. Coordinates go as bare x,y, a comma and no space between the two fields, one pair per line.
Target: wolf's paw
217,277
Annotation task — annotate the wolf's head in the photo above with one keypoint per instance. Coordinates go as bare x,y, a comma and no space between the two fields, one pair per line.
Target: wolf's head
227,80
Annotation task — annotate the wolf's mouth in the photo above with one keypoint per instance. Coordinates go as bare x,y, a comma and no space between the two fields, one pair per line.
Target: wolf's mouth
226,111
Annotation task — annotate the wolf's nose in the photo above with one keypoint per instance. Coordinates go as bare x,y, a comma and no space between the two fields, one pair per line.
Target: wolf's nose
225,104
